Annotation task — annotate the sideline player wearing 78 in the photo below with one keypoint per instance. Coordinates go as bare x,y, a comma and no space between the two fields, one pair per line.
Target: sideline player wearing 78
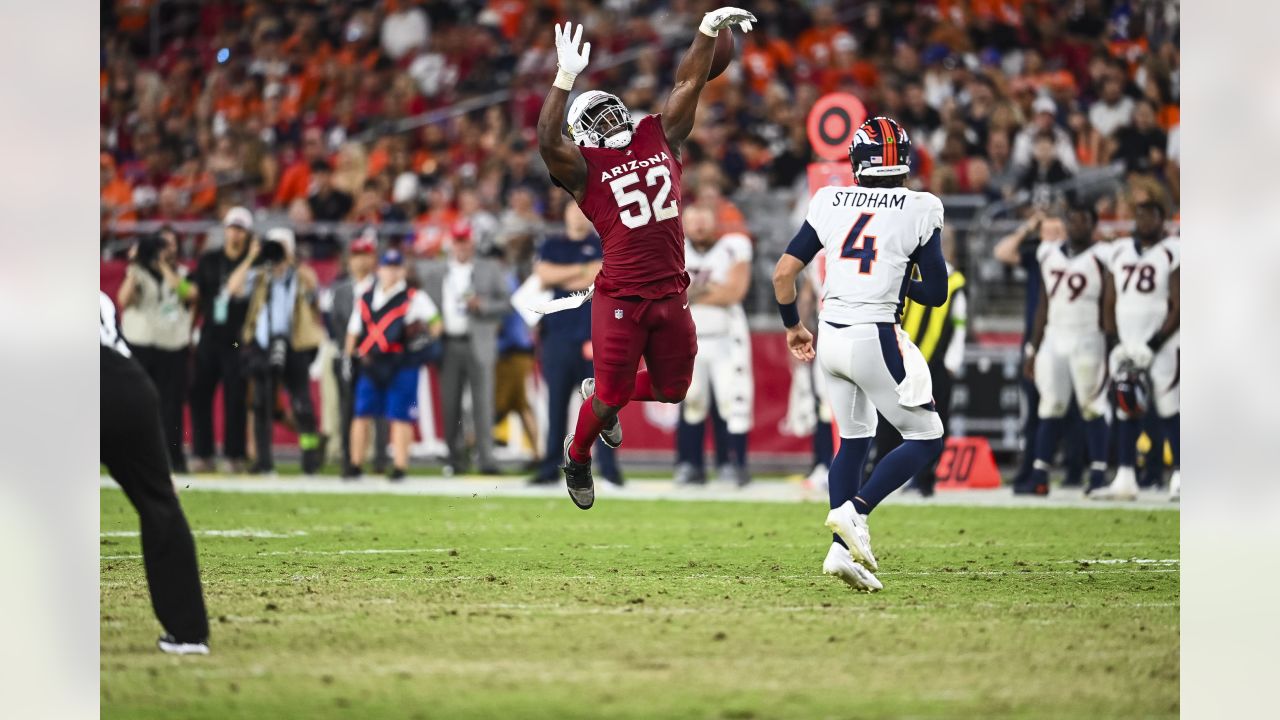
873,238
626,178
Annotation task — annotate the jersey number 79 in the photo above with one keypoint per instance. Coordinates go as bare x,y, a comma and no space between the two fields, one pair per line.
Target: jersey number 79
645,211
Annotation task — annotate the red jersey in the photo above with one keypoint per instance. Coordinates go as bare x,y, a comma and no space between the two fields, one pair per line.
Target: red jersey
632,197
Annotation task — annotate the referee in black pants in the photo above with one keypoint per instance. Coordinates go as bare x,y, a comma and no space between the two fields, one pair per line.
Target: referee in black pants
133,449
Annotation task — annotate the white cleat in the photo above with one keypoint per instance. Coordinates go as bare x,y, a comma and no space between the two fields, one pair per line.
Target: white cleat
840,564
852,528
1175,486
168,644
1123,487
611,435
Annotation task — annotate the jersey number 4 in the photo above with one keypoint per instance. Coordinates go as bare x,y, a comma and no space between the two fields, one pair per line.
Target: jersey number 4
865,252
644,212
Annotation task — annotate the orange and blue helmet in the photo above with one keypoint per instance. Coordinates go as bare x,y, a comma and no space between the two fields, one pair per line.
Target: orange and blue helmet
1130,392
880,148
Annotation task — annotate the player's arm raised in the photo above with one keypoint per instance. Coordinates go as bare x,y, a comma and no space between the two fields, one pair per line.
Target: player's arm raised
564,160
691,75
803,247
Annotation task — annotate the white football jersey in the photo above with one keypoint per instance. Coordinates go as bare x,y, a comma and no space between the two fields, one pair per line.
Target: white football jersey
713,266
1074,285
108,331
1142,285
868,237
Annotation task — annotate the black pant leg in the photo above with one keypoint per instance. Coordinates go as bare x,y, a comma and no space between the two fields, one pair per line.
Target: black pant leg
297,381
265,387
942,384
132,448
173,392
234,402
346,411
559,372
204,383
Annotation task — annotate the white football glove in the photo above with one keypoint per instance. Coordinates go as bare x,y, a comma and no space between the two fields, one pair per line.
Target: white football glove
569,58
717,20
1141,355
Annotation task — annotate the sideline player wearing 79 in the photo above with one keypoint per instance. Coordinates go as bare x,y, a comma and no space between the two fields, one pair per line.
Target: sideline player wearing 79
626,178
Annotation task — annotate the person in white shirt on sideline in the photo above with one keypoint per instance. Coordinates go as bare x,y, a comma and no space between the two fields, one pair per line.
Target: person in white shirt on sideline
471,291
722,388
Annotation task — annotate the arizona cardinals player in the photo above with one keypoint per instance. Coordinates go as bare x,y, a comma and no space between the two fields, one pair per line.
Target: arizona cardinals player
626,178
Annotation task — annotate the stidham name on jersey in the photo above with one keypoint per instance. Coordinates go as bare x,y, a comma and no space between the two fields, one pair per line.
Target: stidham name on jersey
862,199
633,165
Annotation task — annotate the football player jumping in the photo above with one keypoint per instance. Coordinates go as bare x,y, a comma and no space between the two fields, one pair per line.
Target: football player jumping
626,178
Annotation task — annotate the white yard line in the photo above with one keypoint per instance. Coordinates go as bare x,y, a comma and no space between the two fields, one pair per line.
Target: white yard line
237,533
763,491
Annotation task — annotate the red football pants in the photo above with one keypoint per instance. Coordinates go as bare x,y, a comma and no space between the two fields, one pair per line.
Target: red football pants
660,331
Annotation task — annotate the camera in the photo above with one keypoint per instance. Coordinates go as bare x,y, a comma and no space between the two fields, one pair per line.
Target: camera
272,252
149,248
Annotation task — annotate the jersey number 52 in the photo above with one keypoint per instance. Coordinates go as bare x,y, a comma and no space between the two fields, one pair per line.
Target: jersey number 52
644,211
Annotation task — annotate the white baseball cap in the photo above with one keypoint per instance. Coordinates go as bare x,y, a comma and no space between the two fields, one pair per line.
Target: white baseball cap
405,188
1045,104
284,236
238,217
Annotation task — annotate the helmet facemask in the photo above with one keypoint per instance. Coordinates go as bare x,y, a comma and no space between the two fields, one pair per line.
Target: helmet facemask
606,123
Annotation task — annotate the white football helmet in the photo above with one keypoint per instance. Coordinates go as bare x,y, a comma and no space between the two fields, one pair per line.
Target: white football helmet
599,119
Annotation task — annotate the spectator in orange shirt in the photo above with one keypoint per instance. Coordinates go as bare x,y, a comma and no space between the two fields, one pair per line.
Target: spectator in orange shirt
815,43
117,195
763,57
434,225
295,182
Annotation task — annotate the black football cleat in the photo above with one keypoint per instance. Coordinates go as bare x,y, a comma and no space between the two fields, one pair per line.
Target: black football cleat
577,476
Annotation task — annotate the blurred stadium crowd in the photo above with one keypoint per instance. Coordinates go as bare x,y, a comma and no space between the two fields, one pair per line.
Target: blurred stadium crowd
324,111
412,123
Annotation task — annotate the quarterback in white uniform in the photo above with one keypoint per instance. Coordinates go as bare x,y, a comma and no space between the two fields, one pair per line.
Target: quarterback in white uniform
720,270
1067,352
1146,272
874,237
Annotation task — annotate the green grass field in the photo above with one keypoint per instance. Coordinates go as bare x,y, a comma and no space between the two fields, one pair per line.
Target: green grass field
371,606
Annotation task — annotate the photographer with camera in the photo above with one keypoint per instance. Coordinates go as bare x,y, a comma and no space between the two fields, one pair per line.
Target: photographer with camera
156,299
218,351
281,336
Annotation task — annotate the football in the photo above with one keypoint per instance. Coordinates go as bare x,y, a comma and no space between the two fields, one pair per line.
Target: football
722,55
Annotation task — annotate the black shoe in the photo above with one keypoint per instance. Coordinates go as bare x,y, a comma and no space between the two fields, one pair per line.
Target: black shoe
396,475
261,468
925,487
1032,487
352,472
168,644
544,480
577,476
311,461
